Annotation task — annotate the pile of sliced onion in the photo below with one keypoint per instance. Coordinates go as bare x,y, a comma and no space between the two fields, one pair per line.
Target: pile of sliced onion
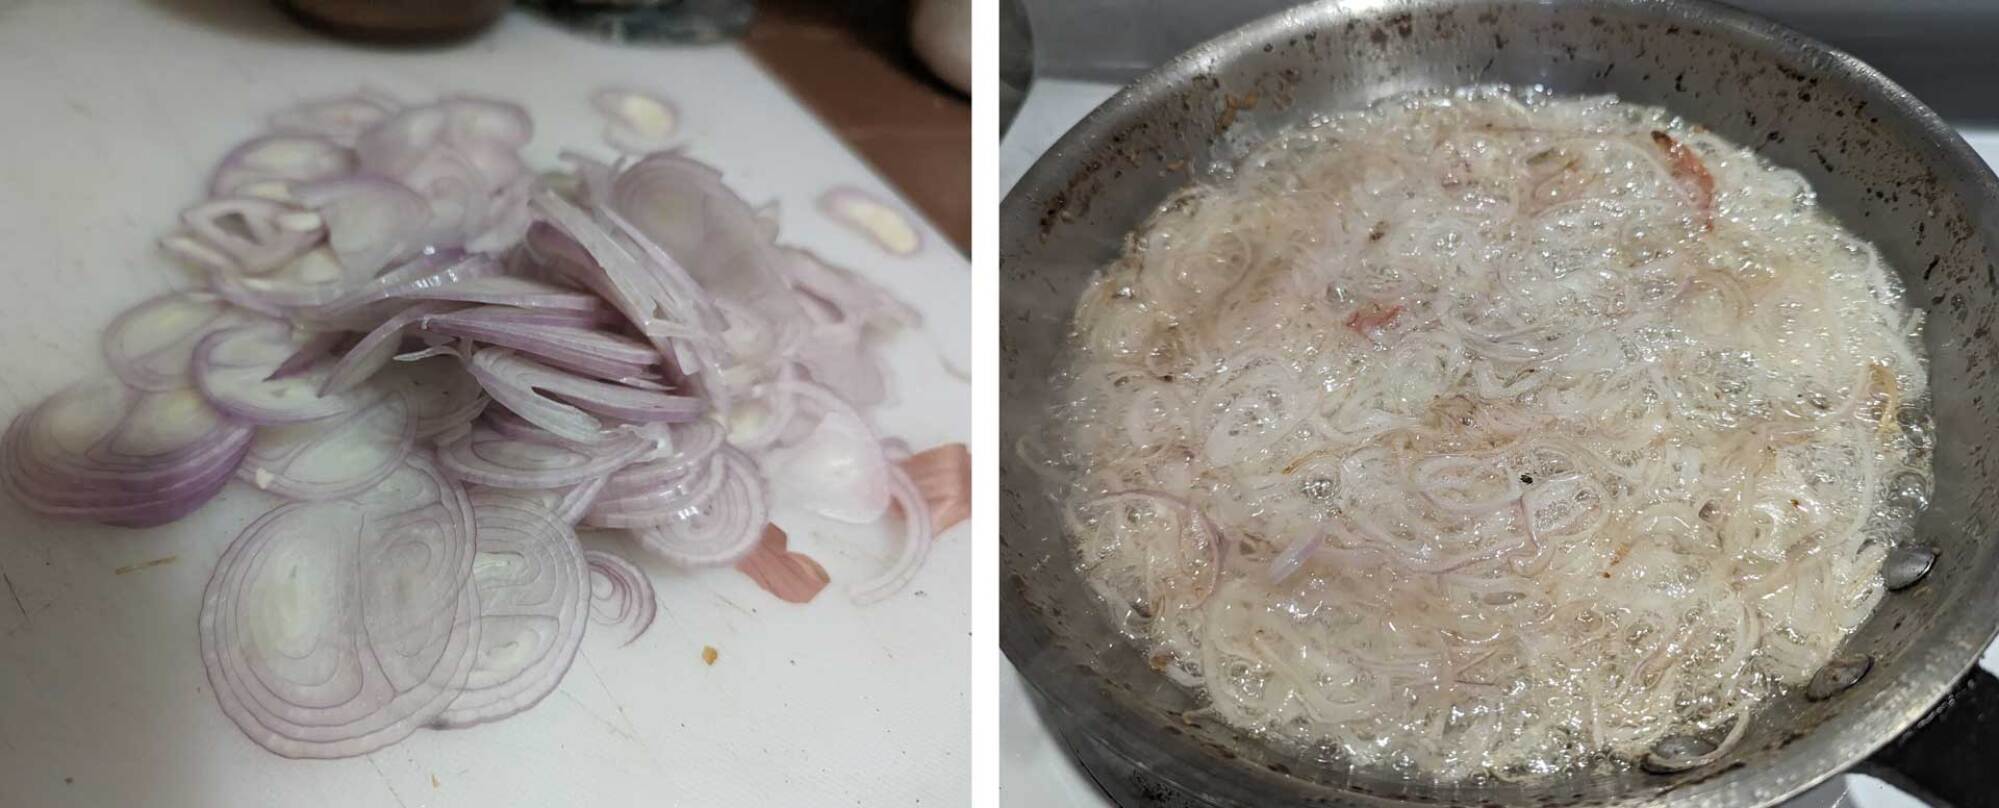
446,363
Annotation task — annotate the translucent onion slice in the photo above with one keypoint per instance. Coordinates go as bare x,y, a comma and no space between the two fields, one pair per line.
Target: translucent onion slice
281,159
369,220
151,346
581,350
838,469
441,268
691,446
720,530
341,119
566,504
329,633
486,457
255,234
312,279
525,387
374,351
234,369
620,594
792,576
534,596
333,457
441,395
512,290
872,219
102,452
637,122
917,538
667,501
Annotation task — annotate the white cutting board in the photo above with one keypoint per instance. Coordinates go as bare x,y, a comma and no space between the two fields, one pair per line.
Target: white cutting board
111,114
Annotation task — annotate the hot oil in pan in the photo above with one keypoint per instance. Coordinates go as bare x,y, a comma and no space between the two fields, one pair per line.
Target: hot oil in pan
1493,434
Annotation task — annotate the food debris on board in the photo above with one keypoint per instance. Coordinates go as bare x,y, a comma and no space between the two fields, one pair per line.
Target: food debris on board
446,363
709,654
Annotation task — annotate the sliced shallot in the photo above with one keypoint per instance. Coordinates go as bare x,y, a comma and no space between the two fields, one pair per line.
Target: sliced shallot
875,220
151,346
332,457
722,528
620,594
534,593
234,368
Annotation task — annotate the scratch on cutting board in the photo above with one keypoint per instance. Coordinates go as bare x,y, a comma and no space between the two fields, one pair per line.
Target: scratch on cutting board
634,734
145,565
608,724
734,605
385,781
16,596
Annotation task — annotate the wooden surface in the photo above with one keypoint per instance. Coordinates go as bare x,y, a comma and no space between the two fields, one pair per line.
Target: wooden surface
851,63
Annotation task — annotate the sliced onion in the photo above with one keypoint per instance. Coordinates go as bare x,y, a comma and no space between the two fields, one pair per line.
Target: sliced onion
375,349
234,369
151,346
512,290
637,122
586,351
720,530
837,470
873,219
251,232
369,220
489,458
440,268
566,504
620,594
280,158
792,576
100,451
681,214
312,279
917,538
333,457
341,119
534,590
665,502
329,633
441,395
521,384
692,446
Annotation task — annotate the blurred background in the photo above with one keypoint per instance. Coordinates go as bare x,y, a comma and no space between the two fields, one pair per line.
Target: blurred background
890,77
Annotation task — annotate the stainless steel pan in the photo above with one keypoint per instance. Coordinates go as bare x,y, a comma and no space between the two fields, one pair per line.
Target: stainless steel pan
1881,161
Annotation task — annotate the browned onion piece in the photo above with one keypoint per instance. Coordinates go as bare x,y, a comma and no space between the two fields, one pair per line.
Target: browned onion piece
792,576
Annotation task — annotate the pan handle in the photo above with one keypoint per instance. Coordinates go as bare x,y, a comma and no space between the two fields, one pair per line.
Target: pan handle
1946,759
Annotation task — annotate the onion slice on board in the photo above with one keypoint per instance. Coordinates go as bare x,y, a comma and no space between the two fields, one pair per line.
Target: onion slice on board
526,388
327,633
279,159
917,538
488,458
873,219
332,457
370,221
723,528
441,394
636,122
151,346
104,452
837,470
234,368
580,350
534,596
620,594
